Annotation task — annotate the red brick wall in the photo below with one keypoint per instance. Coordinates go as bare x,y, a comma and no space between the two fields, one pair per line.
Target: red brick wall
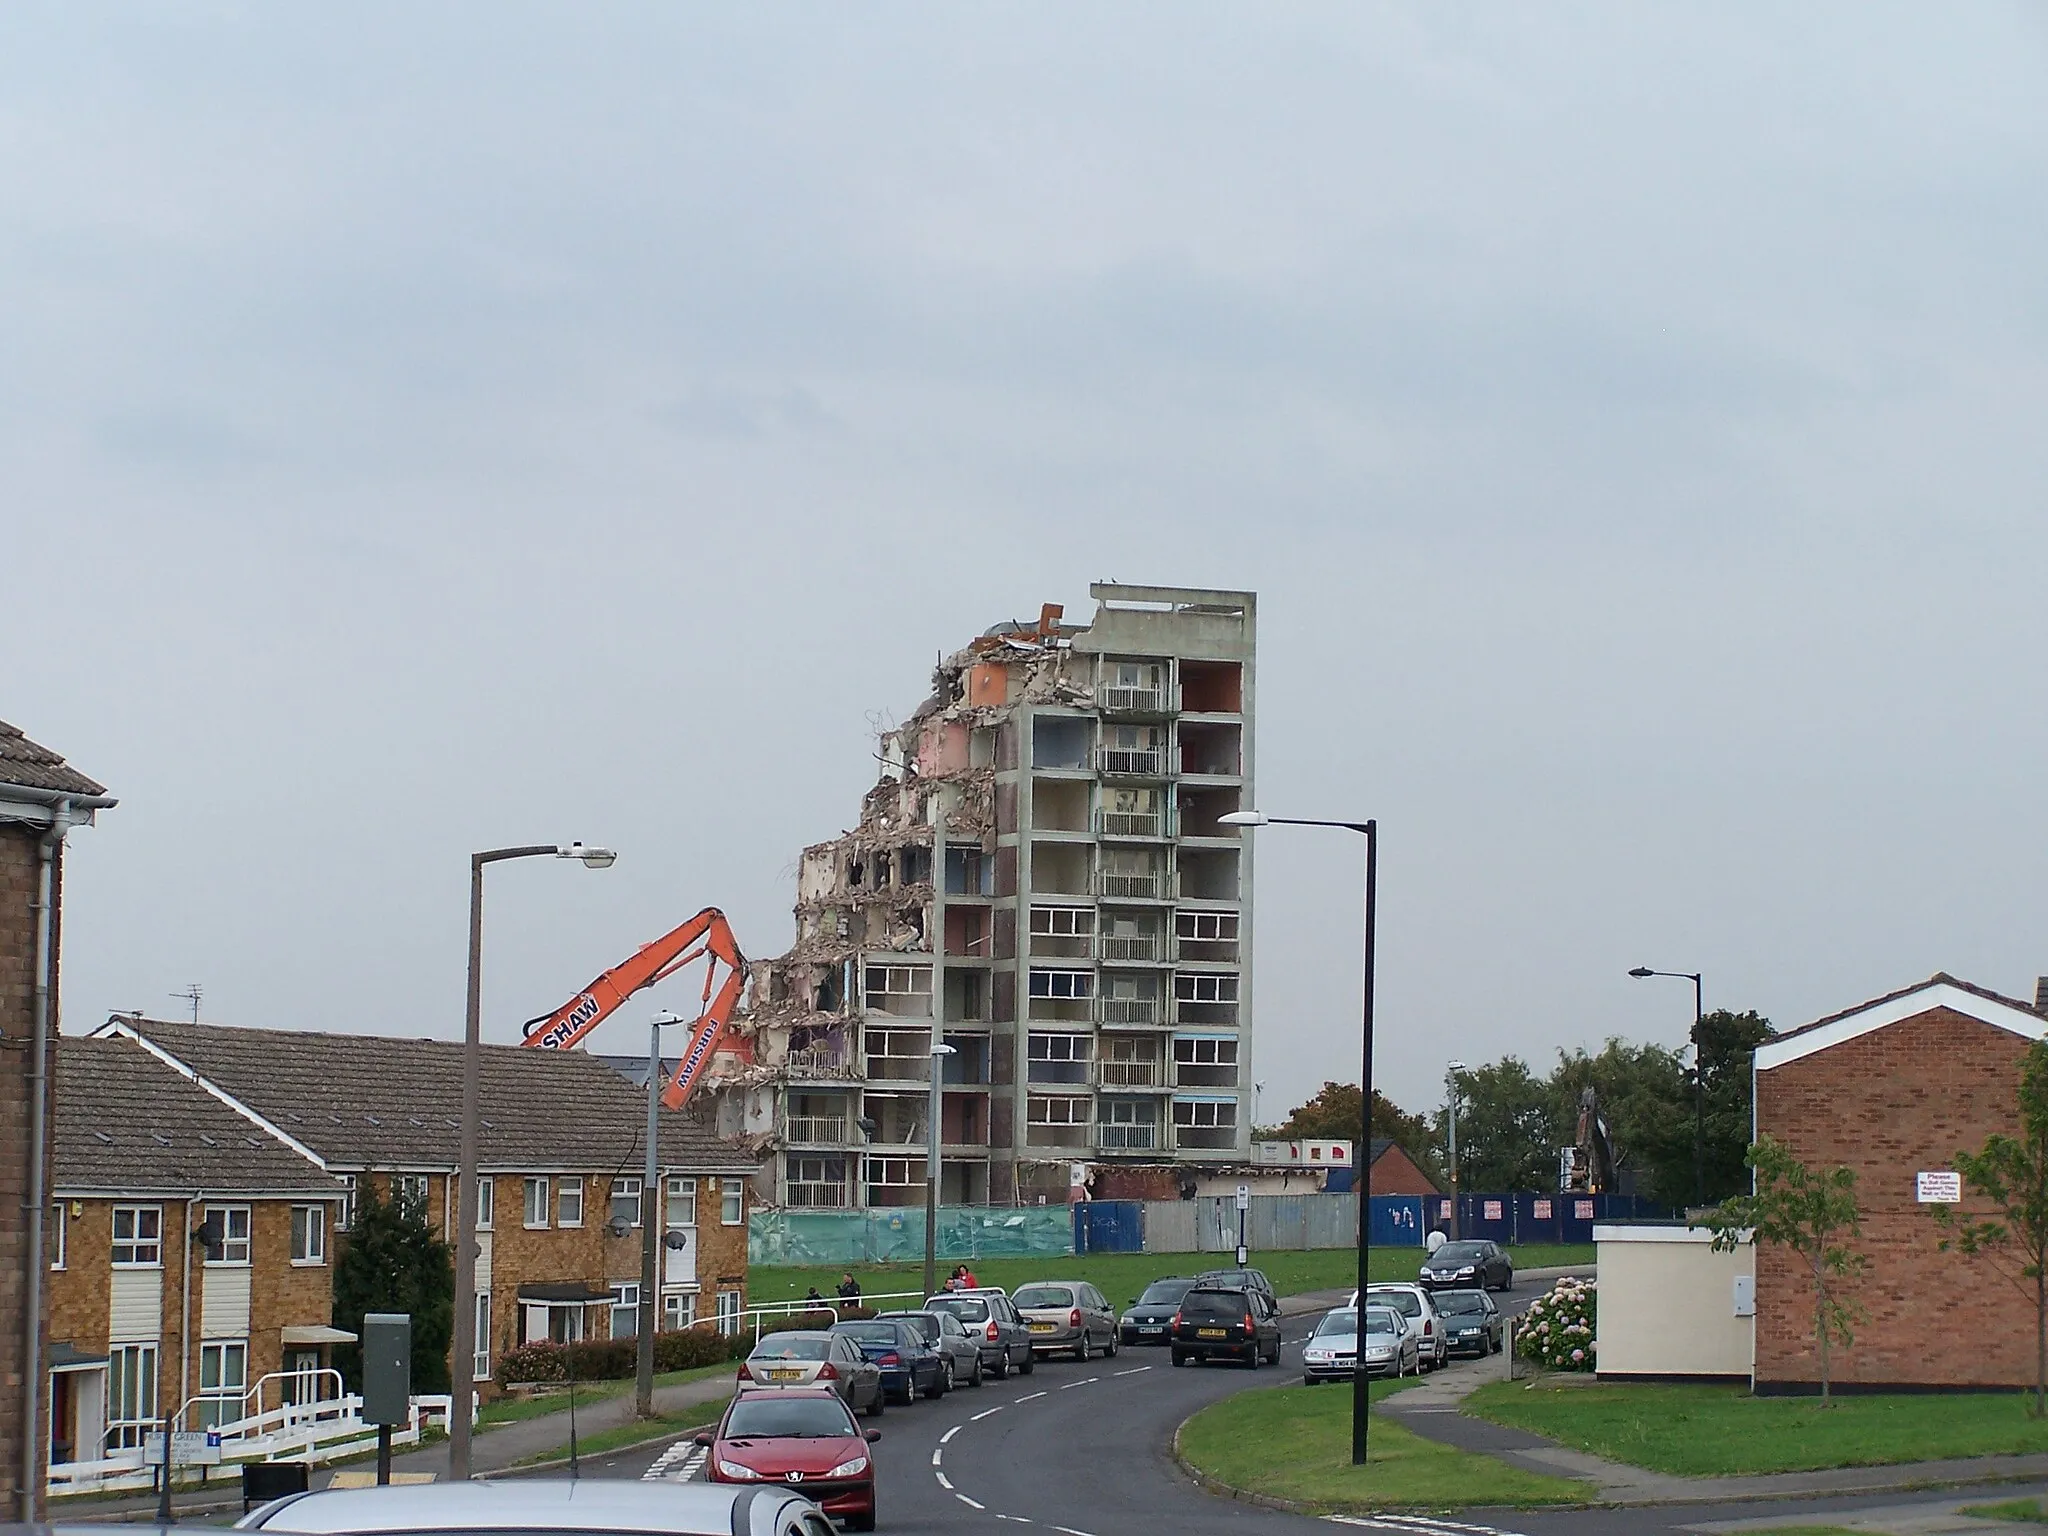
1394,1173
1890,1104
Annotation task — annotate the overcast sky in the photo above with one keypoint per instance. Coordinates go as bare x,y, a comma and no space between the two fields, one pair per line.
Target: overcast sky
432,427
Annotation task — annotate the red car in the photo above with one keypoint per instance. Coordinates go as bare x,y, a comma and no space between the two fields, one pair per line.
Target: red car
803,1438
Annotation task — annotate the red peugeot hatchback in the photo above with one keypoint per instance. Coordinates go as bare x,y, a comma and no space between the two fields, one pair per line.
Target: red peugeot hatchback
803,1438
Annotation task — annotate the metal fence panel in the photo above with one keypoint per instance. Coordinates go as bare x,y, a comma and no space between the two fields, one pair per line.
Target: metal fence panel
1109,1226
1169,1226
1396,1223
896,1236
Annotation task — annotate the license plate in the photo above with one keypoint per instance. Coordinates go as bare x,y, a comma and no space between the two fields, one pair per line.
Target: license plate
786,1375
1212,1333
1041,1327
1151,1327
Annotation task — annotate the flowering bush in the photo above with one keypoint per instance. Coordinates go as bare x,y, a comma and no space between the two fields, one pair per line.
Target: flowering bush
1557,1330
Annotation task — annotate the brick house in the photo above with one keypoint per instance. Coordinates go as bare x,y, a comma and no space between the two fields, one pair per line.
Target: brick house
189,1256
1393,1172
1894,1088
41,799
560,1167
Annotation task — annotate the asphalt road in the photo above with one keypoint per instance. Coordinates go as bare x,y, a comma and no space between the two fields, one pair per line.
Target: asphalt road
1081,1450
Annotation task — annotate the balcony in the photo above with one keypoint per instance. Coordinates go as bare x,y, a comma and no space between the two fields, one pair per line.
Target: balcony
1128,1010
1204,1138
1121,699
1140,1137
1131,1074
1140,885
813,1197
1150,824
1130,946
1131,762
815,1130
818,1061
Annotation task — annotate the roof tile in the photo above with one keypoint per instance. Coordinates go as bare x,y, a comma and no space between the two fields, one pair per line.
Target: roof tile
34,766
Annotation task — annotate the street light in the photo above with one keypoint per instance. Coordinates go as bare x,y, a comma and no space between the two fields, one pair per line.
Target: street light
1699,1080
1451,1072
1361,1402
650,1218
462,1394
934,1111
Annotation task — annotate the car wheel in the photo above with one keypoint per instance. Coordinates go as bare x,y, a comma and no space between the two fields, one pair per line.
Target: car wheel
1179,1358
974,1377
881,1403
1081,1349
1116,1342
942,1381
1002,1366
1029,1364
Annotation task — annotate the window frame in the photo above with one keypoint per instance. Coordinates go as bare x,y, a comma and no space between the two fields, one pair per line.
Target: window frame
732,1202
345,1218
542,1185
309,1222
224,1254
682,1193
678,1310
59,1234
620,1304
217,1397
133,1370
406,1186
480,1365
135,1242
567,1190
486,1204
618,1193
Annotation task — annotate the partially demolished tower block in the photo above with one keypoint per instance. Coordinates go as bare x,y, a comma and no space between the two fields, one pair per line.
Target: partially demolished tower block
1094,970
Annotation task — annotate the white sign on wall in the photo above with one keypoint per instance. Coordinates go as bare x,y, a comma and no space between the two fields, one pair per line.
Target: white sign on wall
1942,1188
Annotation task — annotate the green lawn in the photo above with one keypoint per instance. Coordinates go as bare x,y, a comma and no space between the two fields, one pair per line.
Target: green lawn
1706,1431
511,1410
635,1432
1121,1276
2018,1511
1295,1443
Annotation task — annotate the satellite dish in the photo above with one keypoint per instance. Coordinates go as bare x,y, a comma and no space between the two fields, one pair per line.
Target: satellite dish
676,1242
618,1226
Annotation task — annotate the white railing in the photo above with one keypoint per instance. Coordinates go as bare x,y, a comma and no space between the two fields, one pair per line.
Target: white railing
1131,1074
1147,884
1145,762
818,1058
1130,946
1130,823
1127,1010
829,1129
1127,1138
1117,699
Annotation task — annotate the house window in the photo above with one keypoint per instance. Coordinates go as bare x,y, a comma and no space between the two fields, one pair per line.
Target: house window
536,1202
346,1216
410,1191
625,1309
896,1172
905,990
678,1310
732,1202
728,1312
1205,1114
139,1241
1050,1111
131,1392
682,1202
486,1203
1205,987
626,1201
1057,1058
309,1234
1063,984
481,1371
223,1378
569,1203
230,1224
60,1225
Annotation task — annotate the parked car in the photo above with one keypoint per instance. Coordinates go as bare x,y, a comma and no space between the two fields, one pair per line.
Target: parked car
1215,1323
803,1436
1331,1352
942,1330
1237,1279
987,1315
1472,1323
1464,1265
544,1507
909,1362
1067,1315
1151,1315
1413,1303
816,1359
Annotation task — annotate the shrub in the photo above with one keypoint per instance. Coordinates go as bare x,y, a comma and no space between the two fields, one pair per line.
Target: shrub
680,1349
1557,1330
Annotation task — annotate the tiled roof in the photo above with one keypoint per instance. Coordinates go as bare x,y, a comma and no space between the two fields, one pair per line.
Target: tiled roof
1938,979
26,763
368,1101
126,1123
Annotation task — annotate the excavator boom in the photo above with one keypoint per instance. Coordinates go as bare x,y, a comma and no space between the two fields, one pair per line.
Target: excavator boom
707,937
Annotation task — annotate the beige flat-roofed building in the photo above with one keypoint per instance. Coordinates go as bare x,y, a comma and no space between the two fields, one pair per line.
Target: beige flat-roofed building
1671,1306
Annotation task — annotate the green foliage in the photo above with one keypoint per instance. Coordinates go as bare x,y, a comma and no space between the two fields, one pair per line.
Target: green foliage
2009,1175
1507,1128
1333,1114
679,1349
1813,1213
1557,1330
393,1262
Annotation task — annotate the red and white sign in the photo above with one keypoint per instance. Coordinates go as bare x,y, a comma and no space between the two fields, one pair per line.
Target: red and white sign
1490,1209
1542,1210
1582,1210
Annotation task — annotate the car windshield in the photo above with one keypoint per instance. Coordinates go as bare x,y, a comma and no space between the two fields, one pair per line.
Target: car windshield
1214,1306
969,1309
1345,1321
1380,1320
1455,1254
787,1346
1044,1296
926,1325
1461,1302
788,1418
1164,1292
1404,1302
869,1333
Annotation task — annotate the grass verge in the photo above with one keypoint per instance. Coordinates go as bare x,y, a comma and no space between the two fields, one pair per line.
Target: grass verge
1294,1443
631,1433
1710,1431
513,1410
2018,1511
1121,1276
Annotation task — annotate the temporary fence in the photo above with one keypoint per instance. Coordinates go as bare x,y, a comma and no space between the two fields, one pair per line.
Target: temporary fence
896,1236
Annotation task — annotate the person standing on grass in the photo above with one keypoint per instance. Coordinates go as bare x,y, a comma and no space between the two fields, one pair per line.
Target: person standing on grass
849,1288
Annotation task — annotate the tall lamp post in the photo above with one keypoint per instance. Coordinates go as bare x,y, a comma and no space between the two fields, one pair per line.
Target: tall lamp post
1699,1079
650,1220
462,1395
933,1139
1451,1072
1361,1402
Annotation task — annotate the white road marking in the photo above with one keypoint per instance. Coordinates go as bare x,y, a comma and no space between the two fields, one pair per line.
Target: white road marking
1029,1397
1068,1530
999,1407
1417,1525
938,1456
945,1482
1132,1372
949,1434
969,1502
688,1453
1085,1381
1016,1519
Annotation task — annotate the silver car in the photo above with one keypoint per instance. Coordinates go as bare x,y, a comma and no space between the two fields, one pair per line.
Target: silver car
547,1506
817,1360
1067,1315
1415,1304
1331,1352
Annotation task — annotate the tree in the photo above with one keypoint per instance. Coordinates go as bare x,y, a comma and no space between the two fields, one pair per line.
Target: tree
393,1263
1641,1089
1812,1213
1507,1128
1728,1043
2010,1174
1333,1114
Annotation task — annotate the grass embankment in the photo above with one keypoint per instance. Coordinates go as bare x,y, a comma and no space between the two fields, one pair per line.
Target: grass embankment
512,1410
1711,1431
2017,1511
1295,1443
631,1433
1121,1276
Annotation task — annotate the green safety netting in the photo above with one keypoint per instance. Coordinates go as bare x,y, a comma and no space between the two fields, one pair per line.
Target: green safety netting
897,1236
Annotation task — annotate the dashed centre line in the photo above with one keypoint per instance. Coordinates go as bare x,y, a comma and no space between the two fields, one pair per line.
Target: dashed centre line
1131,1372
970,1503
999,1407
949,1434
1030,1397
1085,1381
945,1482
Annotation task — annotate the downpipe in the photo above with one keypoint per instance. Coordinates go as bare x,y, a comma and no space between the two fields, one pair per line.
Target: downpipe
37,1197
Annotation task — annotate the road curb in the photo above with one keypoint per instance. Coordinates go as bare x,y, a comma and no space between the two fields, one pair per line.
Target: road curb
610,1450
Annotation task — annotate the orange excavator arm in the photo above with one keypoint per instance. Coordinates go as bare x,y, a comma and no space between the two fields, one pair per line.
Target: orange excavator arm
725,972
